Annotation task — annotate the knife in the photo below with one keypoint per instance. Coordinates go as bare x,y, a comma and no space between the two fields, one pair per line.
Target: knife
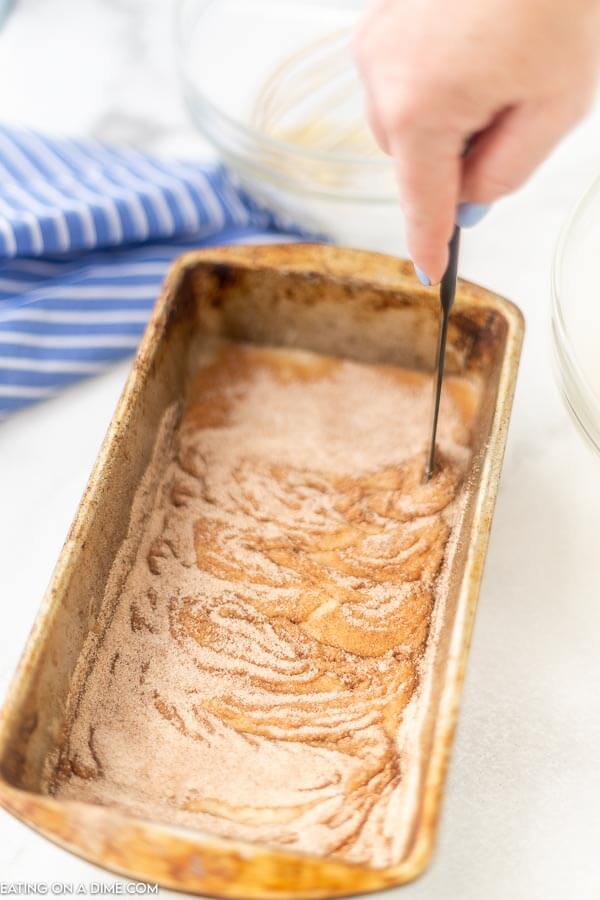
447,293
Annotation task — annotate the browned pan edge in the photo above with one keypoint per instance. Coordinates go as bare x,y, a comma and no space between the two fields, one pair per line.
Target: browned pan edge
199,863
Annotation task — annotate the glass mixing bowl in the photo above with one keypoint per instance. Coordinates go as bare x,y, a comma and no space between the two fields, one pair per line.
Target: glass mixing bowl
576,314
5,6
271,86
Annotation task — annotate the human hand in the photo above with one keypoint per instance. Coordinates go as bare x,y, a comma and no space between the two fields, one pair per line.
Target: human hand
503,78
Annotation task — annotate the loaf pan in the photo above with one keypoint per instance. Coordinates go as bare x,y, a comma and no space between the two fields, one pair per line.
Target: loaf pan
353,304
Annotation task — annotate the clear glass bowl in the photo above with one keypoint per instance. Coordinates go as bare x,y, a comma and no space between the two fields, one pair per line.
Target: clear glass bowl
576,314
270,84
5,6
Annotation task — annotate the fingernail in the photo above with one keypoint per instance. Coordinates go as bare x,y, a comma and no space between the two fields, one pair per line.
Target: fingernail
469,214
422,276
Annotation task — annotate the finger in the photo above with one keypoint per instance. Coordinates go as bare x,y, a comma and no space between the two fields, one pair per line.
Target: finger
375,123
510,149
428,169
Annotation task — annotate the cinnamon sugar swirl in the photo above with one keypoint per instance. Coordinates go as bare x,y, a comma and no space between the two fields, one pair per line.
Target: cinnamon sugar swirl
252,676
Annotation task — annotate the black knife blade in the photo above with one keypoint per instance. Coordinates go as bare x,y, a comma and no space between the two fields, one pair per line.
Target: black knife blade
447,293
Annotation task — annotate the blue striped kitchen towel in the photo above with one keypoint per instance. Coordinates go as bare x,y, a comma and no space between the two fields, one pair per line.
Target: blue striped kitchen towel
87,233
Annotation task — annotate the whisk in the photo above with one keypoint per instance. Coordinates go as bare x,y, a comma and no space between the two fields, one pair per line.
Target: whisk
313,99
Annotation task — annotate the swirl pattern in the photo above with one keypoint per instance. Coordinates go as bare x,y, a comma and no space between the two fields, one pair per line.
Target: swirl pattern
254,677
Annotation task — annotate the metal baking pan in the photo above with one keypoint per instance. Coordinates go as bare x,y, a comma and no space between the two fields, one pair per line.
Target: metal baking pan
343,302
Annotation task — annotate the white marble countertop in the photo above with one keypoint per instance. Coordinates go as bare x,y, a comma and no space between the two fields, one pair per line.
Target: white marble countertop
522,808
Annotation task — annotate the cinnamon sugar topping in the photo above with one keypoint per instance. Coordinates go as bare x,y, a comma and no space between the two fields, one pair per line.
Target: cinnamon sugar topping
254,673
